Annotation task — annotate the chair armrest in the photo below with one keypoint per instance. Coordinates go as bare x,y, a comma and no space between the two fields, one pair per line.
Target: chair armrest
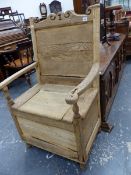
13,77
73,96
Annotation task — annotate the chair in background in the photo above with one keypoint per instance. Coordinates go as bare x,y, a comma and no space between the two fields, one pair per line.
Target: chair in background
20,59
123,25
55,7
120,14
18,18
61,114
5,11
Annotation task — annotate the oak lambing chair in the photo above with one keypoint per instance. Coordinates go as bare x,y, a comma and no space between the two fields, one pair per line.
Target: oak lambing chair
61,113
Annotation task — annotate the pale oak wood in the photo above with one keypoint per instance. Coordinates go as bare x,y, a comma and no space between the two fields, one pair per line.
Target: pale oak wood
53,148
42,132
83,86
7,81
66,49
10,102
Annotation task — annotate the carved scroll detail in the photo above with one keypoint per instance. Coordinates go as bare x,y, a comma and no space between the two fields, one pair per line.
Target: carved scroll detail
52,16
67,14
60,15
88,11
69,17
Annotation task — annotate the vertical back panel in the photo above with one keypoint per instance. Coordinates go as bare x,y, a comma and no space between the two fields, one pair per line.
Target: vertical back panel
64,46
65,51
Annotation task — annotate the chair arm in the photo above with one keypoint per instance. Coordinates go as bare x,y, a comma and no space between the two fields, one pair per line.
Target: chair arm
7,81
73,96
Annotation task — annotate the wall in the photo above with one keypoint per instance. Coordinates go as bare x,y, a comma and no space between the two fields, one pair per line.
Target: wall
31,7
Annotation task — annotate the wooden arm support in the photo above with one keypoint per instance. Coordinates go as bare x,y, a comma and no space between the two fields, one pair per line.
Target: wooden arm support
73,96
7,81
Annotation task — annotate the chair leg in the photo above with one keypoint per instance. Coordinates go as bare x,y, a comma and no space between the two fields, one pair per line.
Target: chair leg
27,77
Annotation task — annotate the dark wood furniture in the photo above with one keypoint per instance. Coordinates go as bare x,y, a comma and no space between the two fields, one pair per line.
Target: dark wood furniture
10,36
61,112
123,24
87,3
80,6
18,18
77,6
111,68
122,27
1,76
128,45
112,64
20,59
55,7
5,11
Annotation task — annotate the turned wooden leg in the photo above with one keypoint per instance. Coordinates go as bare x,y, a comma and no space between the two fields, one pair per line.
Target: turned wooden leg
82,166
27,77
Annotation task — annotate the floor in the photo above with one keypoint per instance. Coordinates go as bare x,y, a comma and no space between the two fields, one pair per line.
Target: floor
111,153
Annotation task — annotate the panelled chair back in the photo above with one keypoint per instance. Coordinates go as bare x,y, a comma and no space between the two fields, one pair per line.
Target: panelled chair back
61,114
